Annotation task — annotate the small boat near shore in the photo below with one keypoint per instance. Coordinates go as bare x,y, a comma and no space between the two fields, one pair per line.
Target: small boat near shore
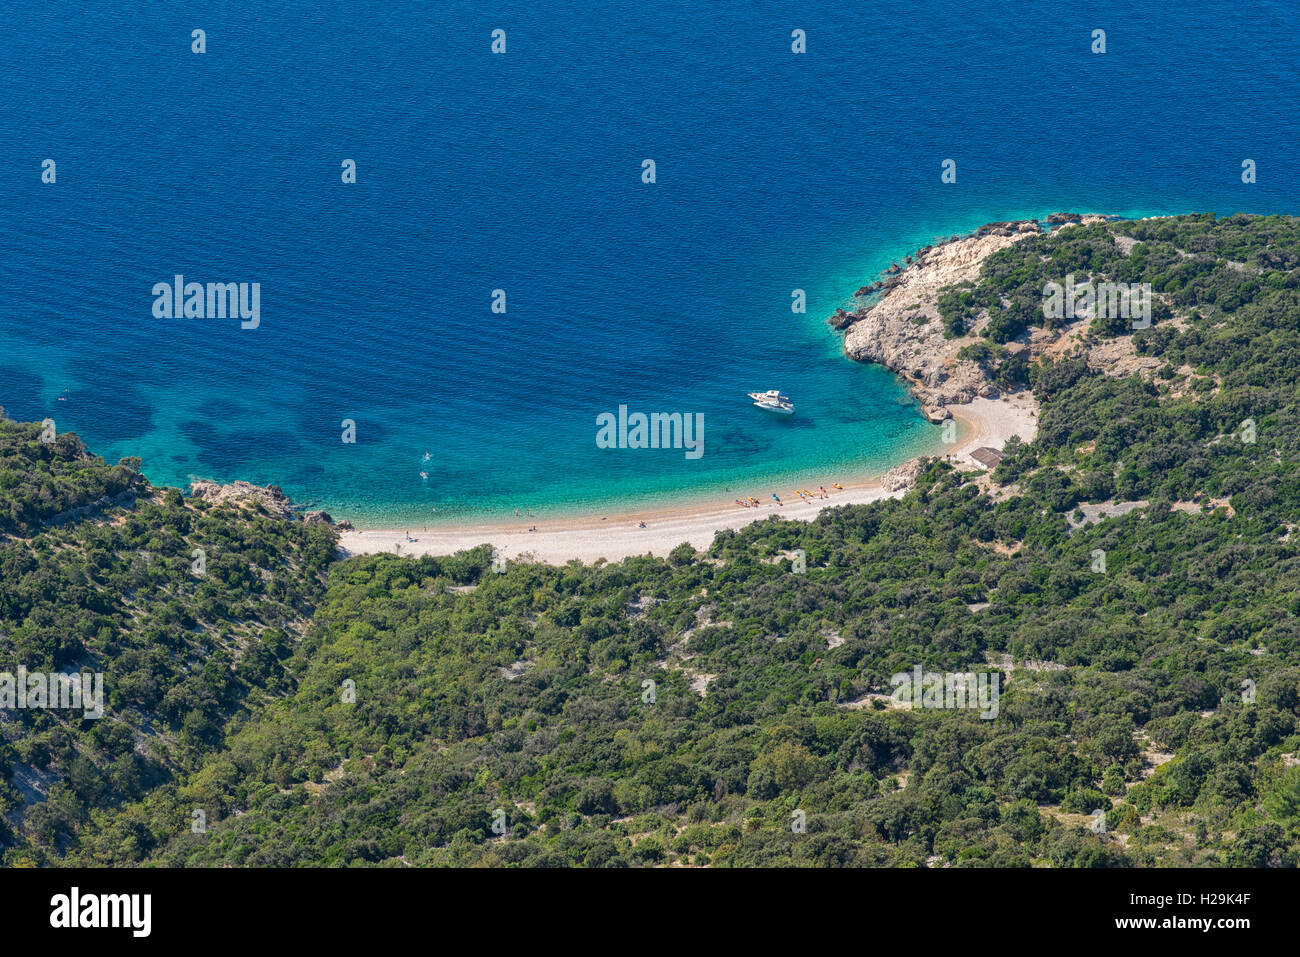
773,401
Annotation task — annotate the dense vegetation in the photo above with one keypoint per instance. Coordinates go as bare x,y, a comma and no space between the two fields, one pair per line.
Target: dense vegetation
382,710
182,654
45,475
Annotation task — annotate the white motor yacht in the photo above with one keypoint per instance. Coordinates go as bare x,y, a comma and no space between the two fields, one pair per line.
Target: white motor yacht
773,401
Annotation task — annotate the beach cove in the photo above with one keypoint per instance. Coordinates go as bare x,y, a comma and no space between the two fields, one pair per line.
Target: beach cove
883,330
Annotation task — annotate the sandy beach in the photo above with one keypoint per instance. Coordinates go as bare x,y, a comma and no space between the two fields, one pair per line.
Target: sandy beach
983,422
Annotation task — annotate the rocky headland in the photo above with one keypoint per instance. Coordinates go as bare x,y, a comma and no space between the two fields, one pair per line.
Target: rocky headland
902,330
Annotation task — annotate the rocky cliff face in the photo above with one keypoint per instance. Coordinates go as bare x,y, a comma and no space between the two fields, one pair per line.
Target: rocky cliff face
904,333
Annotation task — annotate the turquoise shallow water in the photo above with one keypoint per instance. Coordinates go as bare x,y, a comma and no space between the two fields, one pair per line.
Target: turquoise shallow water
522,172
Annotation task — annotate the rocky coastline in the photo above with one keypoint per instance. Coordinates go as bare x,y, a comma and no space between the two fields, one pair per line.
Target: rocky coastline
902,329
267,498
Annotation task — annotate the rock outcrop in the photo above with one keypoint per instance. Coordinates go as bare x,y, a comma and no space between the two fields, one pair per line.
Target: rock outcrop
268,497
901,477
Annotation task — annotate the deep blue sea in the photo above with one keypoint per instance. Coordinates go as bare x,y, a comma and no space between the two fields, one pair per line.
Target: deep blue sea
522,172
